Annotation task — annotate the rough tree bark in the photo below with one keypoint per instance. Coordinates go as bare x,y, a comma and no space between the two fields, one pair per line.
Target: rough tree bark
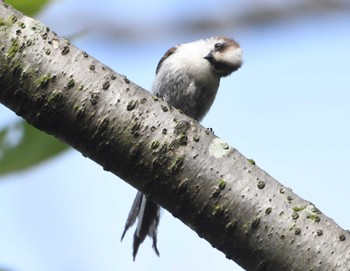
200,179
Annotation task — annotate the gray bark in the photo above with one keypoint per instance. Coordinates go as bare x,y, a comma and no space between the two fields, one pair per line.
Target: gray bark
200,179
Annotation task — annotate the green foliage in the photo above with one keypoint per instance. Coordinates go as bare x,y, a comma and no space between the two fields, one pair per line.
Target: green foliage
23,146
28,7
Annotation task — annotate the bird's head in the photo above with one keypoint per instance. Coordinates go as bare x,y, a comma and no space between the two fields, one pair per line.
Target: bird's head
225,55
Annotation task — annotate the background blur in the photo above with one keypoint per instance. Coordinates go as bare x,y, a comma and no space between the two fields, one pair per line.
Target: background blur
288,108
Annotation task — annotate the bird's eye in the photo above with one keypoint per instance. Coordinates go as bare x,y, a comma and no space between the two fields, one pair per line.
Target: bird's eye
218,46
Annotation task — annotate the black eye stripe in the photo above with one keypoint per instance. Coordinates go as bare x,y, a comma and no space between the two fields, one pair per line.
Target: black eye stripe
219,46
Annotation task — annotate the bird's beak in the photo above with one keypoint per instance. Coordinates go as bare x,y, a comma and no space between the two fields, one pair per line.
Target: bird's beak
209,57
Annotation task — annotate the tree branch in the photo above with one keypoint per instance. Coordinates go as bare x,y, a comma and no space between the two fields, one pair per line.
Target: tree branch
211,187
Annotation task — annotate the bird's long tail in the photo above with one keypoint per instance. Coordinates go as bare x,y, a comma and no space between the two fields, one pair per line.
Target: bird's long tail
147,214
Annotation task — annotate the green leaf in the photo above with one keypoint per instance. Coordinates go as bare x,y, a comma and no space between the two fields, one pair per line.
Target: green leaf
22,146
28,7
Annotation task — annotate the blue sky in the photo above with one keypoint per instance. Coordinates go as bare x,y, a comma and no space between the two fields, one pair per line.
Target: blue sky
288,108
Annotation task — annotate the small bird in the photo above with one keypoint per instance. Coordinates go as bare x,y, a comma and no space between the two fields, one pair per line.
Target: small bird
187,77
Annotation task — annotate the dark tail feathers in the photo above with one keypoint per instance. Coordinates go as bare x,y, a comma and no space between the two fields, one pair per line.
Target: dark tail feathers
147,214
